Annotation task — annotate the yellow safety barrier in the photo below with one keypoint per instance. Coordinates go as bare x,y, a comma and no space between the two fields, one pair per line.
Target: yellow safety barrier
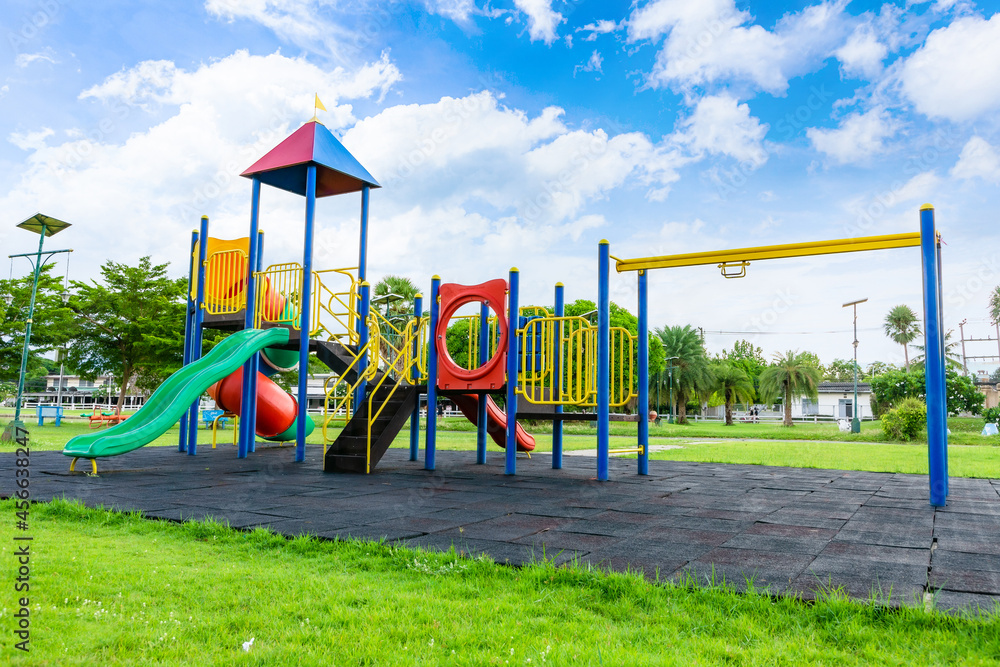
225,282
331,314
570,343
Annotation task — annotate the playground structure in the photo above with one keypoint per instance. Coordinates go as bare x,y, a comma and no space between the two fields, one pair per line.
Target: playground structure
540,361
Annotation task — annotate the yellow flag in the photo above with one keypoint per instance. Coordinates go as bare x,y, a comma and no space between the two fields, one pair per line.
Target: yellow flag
319,105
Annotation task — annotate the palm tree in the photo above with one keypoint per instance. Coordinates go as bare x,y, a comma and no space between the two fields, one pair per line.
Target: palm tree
901,326
952,359
692,372
995,305
792,374
734,385
393,298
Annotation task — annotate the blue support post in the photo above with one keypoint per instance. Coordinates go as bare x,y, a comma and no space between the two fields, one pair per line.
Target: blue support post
937,405
305,323
363,249
255,360
188,327
364,309
643,373
432,374
557,371
418,311
196,338
484,356
603,359
944,404
248,416
512,353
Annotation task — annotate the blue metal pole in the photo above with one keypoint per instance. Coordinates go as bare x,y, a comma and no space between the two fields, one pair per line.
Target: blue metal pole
248,388
197,334
512,353
603,359
643,373
484,356
557,371
944,404
188,326
937,405
363,250
365,307
432,374
255,360
305,324
418,311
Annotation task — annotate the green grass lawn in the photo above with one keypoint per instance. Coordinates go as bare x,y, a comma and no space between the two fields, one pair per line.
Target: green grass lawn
109,589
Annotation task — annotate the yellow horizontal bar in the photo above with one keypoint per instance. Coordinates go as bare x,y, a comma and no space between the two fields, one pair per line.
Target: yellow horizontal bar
907,240
625,451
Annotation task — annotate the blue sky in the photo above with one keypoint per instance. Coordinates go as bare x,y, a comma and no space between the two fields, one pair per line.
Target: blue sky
521,132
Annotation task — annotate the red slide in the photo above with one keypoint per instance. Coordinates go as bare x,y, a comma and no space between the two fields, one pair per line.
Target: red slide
276,409
496,421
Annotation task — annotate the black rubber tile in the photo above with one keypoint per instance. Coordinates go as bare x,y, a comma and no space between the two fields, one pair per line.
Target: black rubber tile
790,545
878,553
973,544
957,560
735,577
389,531
973,604
968,581
796,518
578,542
773,561
507,528
812,586
690,522
913,541
883,572
785,530
501,552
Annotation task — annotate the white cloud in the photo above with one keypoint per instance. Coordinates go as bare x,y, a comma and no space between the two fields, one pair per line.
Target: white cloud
863,53
458,11
593,64
921,187
720,125
602,27
859,136
538,169
219,118
978,160
709,41
543,21
956,73
25,59
31,141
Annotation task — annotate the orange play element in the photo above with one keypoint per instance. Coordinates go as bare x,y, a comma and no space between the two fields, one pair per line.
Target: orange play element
276,409
496,421
489,376
98,420
272,302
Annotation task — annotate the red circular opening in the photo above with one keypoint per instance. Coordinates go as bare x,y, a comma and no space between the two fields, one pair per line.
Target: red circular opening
441,337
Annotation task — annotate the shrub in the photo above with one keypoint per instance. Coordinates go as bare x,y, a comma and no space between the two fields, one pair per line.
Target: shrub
992,415
906,421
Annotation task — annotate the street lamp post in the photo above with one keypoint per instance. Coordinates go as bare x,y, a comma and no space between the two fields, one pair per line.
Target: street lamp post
42,225
670,376
855,421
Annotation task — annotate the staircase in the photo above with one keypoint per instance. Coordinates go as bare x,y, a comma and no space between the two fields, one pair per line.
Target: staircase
338,358
350,452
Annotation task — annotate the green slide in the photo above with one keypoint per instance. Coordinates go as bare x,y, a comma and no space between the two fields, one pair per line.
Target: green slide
172,398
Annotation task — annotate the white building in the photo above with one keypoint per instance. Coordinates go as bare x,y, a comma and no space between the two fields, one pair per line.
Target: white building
835,400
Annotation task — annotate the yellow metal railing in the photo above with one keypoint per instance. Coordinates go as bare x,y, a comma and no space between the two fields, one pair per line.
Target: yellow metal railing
406,361
225,282
340,394
332,313
569,345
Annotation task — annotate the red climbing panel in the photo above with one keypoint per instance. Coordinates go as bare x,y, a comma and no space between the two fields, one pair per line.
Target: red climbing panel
489,376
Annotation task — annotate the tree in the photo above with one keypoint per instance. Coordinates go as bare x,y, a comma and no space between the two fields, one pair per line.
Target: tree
952,359
792,374
51,326
892,388
395,310
130,326
748,358
995,305
733,384
841,370
995,375
692,374
901,326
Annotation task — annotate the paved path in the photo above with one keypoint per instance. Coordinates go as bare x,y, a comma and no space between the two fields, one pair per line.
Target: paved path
795,530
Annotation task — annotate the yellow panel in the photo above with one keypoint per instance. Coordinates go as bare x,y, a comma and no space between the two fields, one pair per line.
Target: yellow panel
772,252
215,246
